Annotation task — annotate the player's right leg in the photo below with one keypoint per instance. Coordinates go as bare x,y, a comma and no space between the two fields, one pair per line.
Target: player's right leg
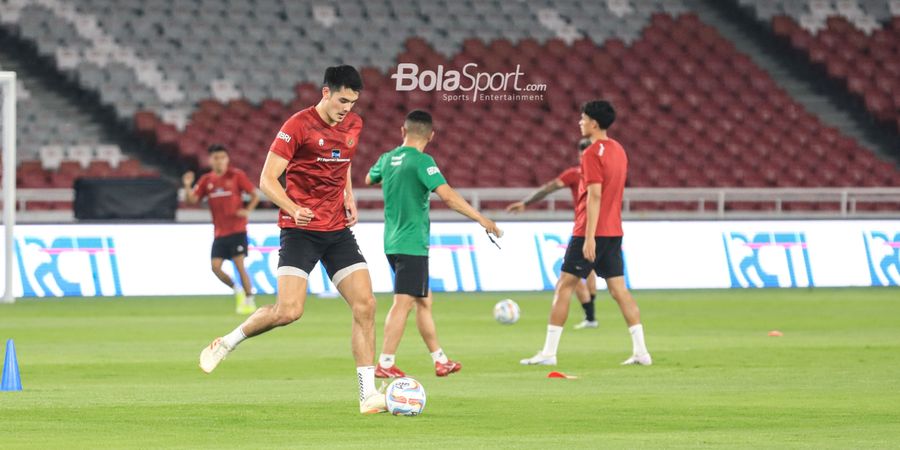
287,309
443,365
298,255
574,268
245,304
216,266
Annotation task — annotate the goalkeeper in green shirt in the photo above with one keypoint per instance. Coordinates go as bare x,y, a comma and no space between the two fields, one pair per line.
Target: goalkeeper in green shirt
408,176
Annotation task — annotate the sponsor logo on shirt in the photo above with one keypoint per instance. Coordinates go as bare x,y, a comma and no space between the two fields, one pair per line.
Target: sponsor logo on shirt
397,160
433,170
284,137
335,157
321,142
219,192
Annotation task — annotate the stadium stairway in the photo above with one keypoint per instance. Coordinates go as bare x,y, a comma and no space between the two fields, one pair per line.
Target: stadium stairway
796,76
56,112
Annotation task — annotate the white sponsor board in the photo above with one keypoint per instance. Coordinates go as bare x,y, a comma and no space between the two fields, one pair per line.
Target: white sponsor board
130,260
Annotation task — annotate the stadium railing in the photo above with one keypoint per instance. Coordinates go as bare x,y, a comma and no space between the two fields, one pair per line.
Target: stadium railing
639,203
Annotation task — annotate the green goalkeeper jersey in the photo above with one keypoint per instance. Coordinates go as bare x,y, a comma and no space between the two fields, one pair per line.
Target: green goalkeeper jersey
407,178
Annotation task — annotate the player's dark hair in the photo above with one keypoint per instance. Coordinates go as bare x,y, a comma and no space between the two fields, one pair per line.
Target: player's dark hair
344,76
216,148
419,122
602,111
583,144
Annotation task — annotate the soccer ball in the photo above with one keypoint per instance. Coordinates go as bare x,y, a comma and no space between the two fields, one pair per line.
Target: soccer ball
405,397
506,312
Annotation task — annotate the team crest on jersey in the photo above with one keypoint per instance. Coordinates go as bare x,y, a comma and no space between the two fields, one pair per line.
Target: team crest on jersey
321,142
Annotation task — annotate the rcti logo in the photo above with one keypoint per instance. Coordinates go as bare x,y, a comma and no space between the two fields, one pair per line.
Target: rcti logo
69,266
768,259
883,254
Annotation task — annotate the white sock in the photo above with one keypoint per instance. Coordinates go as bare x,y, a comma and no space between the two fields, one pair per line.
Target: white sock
366,377
552,342
234,338
237,289
250,300
637,340
438,356
386,361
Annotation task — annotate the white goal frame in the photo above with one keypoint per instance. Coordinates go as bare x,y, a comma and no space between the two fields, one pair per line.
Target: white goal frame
8,86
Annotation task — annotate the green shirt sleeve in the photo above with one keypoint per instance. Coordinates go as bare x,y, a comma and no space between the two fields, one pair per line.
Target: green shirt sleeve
375,171
429,174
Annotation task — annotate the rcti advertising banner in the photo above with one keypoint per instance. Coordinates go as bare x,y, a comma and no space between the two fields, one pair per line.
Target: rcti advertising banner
133,260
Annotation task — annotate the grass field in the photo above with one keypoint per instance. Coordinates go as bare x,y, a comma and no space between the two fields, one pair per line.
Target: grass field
123,373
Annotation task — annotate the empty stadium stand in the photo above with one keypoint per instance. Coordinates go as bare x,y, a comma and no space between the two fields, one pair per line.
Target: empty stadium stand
694,111
855,42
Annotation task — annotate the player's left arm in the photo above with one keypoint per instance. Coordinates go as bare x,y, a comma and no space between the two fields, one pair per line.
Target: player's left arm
349,201
593,214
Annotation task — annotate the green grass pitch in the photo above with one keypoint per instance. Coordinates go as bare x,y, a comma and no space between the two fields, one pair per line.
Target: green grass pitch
122,373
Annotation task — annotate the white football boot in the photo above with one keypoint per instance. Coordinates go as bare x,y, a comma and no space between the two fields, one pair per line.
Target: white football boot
539,360
638,360
587,324
374,404
213,354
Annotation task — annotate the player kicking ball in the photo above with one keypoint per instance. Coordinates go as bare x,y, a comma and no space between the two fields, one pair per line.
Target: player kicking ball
313,150
223,187
598,215
570,178
408,176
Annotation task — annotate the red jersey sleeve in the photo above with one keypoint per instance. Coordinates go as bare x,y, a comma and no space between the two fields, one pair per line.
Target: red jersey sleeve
592,165
570,176
200,189
244,183
288,139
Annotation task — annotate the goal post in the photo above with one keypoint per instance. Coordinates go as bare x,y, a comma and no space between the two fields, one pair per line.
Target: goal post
8,88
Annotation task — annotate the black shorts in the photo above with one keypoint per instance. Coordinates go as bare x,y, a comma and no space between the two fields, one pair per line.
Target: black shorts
227,247
410,274
609,262
302,249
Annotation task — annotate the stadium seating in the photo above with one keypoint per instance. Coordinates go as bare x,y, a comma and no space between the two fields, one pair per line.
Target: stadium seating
52,150
693,110
854,42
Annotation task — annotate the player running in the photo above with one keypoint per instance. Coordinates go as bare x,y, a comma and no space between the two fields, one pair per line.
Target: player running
223,187
570,178
408,176
313,150
598,215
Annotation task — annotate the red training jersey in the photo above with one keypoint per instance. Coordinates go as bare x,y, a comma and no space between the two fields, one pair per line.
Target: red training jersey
224,198
606,163
318,157
571,178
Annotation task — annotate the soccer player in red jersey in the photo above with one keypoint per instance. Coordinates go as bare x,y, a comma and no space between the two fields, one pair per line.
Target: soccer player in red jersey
569,178
597,238
223,188
313,150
